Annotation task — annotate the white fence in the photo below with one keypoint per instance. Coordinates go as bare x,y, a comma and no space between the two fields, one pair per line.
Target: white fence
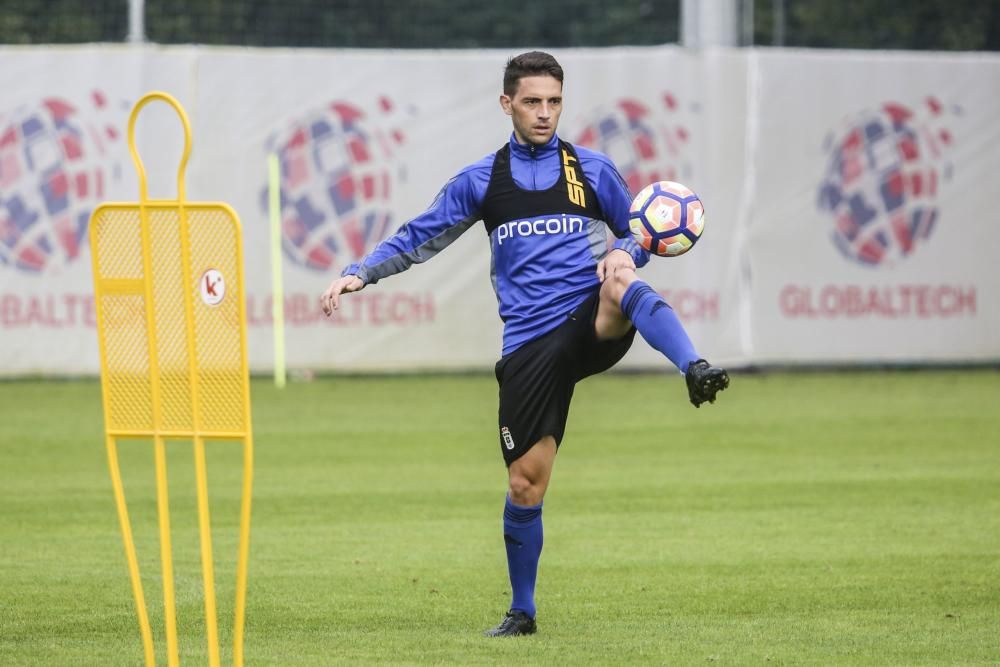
849,195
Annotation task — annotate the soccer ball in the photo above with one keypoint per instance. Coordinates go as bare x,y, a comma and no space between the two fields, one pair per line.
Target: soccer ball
666,218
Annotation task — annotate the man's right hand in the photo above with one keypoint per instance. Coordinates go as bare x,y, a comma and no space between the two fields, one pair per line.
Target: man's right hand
331,297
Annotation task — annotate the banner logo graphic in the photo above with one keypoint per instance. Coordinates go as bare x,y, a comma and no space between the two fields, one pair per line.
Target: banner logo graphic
339,171
883,179
55,167
647,142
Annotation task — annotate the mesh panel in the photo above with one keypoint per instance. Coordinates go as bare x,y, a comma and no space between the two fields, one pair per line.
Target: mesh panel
171,323
126,347
217,328
118,248
119,243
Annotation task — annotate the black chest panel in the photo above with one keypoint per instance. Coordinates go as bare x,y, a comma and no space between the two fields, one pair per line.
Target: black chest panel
571,194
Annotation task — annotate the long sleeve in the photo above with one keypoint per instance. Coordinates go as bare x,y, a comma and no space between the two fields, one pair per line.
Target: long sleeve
455,208
628,244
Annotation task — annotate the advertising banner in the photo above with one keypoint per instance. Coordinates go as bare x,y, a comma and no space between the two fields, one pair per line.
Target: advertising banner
873,235
846,194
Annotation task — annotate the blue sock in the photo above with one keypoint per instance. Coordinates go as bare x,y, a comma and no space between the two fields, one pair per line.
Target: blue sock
522,533
658,324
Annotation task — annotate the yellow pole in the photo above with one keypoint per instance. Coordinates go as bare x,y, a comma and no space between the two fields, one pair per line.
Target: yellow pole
116,476
277,287
244,553
243,558
133,561
201,475
163,509
162,499
207,569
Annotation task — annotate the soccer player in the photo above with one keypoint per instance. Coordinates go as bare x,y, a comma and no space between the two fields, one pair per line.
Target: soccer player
570,307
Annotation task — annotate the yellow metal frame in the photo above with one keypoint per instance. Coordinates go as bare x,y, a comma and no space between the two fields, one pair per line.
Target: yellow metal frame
155,387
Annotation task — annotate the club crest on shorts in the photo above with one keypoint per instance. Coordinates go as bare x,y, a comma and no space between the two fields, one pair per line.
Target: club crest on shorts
508,441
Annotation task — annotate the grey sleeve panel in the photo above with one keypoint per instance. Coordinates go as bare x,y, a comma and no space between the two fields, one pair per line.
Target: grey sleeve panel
404,260
493,269
597,236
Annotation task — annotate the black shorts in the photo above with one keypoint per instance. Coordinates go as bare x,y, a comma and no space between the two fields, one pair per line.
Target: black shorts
537,379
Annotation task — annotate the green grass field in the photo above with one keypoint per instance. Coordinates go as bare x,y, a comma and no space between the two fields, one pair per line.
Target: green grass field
809,519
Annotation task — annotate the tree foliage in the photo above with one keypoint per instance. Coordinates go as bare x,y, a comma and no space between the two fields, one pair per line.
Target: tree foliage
946,25
862,24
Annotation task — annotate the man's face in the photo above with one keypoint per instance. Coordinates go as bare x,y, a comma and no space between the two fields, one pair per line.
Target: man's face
534,108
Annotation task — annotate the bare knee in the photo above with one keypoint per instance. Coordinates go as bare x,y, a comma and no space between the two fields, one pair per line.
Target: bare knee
614,286
525,491
529,475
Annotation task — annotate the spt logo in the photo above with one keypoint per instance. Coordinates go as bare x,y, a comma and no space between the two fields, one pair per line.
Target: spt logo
882,182
647,142
56,164
338,174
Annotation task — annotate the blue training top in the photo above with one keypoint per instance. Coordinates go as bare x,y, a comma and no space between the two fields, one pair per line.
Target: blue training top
541,272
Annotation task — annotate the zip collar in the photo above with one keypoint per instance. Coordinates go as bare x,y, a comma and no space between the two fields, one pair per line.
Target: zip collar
534,151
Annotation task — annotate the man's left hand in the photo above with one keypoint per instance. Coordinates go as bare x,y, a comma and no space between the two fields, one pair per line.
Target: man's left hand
614,261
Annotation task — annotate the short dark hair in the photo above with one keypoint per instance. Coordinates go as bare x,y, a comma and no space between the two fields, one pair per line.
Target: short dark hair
533,63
